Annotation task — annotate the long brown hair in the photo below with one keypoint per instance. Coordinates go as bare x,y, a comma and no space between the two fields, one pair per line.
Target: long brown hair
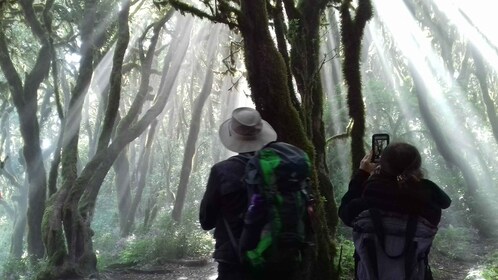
401,161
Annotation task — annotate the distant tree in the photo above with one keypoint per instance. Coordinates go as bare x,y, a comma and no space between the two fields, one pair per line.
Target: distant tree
194,127
24,94
67,233
458,57
122,164
67,216
481,72
15,205
142,172
67,221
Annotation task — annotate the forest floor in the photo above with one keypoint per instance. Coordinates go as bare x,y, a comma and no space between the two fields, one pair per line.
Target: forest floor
443,267
462,264
175,270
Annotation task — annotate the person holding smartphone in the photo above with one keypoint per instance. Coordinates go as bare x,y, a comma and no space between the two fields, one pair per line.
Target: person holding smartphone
393,187
394,184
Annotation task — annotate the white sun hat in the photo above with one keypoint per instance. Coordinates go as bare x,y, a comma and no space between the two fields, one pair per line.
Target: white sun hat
246,131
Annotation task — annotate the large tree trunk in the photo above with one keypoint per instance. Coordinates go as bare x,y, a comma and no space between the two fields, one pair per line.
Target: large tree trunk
25,99
88,184
63,227
305,65
64,222
267,76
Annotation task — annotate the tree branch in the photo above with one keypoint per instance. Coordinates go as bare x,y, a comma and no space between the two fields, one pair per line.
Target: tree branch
10,72
222,17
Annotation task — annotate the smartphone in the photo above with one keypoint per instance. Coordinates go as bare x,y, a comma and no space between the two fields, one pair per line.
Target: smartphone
379,143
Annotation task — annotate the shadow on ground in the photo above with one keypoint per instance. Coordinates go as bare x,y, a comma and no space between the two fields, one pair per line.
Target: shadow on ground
174,270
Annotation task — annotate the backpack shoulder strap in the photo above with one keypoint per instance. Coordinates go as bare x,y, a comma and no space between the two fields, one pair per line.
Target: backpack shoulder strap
243,159
411,227
234,242
410,247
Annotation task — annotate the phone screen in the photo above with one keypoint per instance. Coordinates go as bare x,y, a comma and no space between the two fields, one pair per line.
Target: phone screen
379,143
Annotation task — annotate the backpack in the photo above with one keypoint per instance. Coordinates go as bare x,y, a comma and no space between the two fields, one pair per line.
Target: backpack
277,223
392,246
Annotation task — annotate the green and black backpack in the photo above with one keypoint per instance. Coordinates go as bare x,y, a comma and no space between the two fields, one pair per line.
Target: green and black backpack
277,223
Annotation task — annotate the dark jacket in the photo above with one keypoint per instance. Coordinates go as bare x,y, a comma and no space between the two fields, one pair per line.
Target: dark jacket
225,198
423,198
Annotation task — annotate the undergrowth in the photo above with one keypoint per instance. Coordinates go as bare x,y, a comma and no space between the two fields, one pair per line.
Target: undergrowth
165,241
454,242
344,262
490,270
14,269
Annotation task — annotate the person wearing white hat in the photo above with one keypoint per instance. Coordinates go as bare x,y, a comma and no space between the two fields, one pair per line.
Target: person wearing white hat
225,199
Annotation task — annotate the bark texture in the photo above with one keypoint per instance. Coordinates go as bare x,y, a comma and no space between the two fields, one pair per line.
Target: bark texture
352,30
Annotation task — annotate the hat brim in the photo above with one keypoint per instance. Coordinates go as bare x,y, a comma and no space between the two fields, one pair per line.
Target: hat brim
239,145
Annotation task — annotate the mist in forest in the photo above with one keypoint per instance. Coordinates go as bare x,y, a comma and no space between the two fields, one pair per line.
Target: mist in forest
439,113
147,136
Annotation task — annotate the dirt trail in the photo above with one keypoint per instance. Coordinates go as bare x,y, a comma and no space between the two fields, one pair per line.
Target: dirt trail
169,271
443,267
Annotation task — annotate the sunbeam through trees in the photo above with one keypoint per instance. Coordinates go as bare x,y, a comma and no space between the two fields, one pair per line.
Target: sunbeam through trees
109,117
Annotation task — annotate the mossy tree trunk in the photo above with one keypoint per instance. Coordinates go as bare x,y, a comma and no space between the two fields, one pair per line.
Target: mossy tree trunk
66,228
267,75
73,206
351,36
268,79
304,38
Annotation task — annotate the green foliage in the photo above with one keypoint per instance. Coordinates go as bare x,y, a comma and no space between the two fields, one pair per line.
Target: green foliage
167,240
345,261
455,242
21,269
13,267
107,247
293,29
490,270
170,240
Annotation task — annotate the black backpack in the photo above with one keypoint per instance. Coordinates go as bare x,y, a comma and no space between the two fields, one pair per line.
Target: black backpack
392,246
277,224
